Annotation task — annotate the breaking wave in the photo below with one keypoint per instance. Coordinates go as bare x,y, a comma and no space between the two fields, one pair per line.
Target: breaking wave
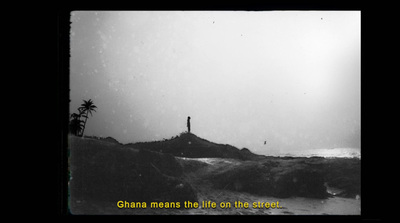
327,153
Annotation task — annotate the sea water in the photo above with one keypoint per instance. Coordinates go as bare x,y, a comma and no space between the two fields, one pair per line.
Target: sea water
325,152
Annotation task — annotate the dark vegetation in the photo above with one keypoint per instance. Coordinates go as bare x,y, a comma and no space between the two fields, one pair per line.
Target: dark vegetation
76,125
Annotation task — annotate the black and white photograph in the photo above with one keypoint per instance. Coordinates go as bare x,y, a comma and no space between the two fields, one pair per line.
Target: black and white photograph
227,112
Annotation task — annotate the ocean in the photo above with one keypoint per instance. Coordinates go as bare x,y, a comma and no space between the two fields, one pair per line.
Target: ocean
327,153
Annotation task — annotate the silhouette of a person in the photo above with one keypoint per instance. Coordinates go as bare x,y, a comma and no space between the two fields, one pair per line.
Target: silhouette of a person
188,123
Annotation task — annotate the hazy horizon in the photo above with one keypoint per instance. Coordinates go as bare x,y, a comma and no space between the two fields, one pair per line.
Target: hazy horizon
291,78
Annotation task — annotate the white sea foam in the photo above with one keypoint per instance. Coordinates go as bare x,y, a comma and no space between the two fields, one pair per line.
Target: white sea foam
327,153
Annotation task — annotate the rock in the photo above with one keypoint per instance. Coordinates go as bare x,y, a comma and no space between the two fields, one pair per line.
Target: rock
272,178
301,183
192,146
111,173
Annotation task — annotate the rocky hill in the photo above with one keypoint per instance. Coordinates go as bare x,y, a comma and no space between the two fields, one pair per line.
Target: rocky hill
105,171
191,146
188,168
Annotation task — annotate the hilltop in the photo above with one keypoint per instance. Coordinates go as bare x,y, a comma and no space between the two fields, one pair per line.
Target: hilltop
191,146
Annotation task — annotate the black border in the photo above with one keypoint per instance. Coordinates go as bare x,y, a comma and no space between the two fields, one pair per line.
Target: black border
62,83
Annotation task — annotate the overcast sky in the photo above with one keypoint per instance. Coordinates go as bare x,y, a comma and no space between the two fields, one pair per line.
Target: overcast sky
291,78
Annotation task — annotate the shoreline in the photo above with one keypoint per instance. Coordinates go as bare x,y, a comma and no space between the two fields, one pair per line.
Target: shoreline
105,172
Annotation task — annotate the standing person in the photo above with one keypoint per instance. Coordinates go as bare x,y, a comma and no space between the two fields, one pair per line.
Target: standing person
188,123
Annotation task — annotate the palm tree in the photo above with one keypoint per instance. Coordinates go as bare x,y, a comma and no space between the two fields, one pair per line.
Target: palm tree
76,124
87,107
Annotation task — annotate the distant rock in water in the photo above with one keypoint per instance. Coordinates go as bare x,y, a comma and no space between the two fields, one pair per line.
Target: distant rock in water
191,146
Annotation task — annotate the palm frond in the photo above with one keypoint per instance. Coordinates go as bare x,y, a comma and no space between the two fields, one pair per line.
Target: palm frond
74,115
